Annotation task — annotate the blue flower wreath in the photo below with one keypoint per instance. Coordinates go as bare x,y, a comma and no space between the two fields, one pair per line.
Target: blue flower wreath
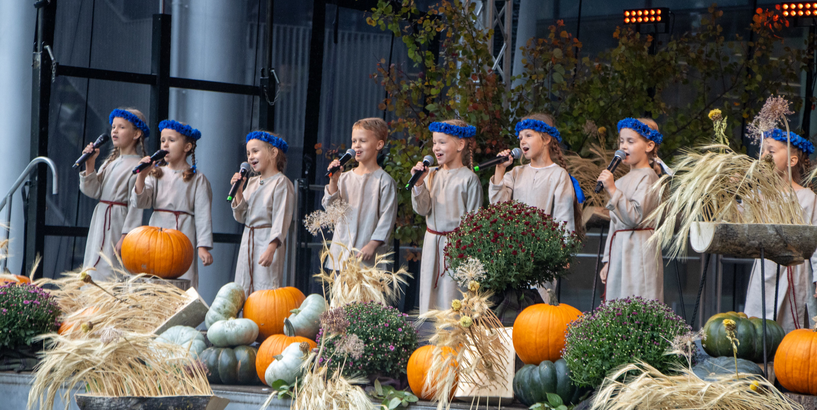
797,141
540,126
460,132
269,139
185,130
130,117
642,129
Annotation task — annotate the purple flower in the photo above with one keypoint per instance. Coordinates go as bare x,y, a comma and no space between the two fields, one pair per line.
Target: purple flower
391,347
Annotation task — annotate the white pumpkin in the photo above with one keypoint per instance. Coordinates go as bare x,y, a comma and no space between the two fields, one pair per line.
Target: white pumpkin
306,320
228,302
287,365
184,336
232,332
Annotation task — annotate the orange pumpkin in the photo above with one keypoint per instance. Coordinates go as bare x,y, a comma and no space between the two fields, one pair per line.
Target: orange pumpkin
418,368
166,253
268,309
67,326
793,362
4,278
275,345
539,331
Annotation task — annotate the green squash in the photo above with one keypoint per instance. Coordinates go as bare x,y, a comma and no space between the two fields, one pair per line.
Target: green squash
306,320
232,332
184,336
230,365
287,365
228,302
532,383
749,332
716,367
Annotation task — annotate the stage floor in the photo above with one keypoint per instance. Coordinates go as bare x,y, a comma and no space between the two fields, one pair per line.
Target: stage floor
14,388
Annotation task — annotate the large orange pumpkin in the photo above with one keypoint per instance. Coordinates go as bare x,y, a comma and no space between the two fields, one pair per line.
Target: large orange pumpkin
67,326
166,253
418,366
5,278
268,309
275,345
539,331
793,362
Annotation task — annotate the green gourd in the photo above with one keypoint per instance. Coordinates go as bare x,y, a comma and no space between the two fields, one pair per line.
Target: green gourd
230,365
306,320
232,332
532,383
712,368
184,336
287,365
749,333
228,302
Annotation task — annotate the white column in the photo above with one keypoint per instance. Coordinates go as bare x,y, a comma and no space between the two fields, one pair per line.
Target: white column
209,42
525,29
17,20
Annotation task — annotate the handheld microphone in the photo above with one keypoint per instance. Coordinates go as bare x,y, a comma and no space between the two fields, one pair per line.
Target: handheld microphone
157,156
617,158
350,153
245,169
427,161
100,141
515,154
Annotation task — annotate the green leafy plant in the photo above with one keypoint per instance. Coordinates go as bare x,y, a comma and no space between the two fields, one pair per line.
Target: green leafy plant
450,77
386,340
520,246
620,332
282,390
554,403
26,311
391,398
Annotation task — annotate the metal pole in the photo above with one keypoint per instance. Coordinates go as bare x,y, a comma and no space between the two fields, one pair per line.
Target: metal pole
596,271
776,289
763,307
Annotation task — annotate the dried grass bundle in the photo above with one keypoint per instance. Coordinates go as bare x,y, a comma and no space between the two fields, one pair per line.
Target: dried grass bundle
587,171
650,389
318,390
716,184
357,282
471,330
118,364
131,306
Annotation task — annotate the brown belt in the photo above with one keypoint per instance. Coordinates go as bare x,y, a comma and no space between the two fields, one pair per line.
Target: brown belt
176,213
251,248
106,224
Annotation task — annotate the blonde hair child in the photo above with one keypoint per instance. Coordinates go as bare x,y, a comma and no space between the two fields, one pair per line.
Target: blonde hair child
265,208
632,267
443,195
179,194
113,216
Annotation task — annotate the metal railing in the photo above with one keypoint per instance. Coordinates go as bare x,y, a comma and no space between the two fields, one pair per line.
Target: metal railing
7,199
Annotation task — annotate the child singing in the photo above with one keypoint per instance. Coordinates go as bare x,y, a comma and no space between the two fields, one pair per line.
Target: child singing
113,216
795,290
265,208
632,267
371,195
443,195
179,194
544,182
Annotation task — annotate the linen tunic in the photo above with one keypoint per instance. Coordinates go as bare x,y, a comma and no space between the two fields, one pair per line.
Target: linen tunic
635,267
795,290
266,212
113,216
184,206
372,200
548,188
444,197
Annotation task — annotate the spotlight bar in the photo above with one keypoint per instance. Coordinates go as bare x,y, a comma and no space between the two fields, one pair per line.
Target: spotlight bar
646,16
798,9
